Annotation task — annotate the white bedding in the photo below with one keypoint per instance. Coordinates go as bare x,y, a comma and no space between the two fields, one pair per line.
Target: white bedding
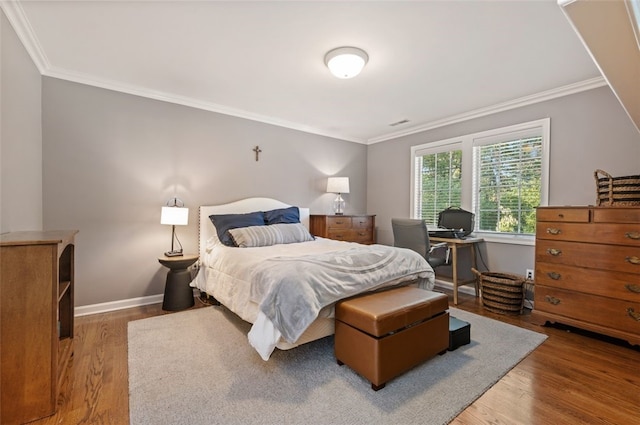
226,274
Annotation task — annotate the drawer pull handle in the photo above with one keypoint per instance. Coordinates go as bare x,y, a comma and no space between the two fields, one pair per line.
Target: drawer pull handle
554,252
553,231
632,313
633,260
561,215
552,300
633,288
554,275
339,222
633,235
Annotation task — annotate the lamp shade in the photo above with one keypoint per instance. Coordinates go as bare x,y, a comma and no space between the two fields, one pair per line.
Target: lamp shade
338,185
346,62
177,216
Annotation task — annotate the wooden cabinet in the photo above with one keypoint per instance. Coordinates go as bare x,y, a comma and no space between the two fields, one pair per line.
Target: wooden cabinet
588,269
36,321
350,228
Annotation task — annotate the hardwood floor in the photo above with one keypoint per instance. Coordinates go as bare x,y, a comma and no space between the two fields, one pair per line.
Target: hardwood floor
570,379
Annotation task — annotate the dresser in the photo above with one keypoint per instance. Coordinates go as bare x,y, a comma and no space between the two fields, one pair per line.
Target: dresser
587,268
350,228
36,323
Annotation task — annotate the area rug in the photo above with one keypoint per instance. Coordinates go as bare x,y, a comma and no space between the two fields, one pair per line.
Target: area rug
196,367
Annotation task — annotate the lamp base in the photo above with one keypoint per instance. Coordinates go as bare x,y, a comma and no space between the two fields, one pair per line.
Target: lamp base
338,205
173,253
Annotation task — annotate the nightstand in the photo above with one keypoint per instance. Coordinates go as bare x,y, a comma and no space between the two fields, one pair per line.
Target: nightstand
178,295
350,228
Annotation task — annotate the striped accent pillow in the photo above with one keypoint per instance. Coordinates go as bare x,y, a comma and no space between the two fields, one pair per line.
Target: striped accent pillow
255,236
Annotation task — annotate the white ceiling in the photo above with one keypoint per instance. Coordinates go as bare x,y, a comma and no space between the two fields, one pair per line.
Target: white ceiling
430,62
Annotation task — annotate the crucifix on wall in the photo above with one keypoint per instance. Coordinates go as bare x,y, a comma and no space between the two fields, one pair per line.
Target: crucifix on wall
257,150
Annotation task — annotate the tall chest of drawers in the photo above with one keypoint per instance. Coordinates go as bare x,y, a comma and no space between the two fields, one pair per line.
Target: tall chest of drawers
588,269
350,228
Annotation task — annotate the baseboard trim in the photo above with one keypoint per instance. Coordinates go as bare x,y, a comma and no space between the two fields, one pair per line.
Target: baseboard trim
472,291
87,310
448,285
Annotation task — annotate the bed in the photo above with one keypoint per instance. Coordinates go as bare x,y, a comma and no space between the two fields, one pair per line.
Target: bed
287,290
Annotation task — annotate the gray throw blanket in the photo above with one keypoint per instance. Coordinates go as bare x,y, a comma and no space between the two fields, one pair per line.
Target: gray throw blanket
292,291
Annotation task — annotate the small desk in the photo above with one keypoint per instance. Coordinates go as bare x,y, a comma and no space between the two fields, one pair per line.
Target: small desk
454,244
178,295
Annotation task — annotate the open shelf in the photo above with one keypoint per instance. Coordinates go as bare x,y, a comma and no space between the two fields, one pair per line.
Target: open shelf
37,275
63,287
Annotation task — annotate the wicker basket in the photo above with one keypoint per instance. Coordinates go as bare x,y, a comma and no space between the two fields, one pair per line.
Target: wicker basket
502,293
617,191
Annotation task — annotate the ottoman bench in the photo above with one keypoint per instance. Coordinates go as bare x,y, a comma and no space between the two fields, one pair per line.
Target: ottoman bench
383,334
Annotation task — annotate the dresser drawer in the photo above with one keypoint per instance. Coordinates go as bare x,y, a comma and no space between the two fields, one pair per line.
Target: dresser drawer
362,222
578,215
619,234
602,311
339,234
609,257
339,222
616,215
364,236
624,286
351,235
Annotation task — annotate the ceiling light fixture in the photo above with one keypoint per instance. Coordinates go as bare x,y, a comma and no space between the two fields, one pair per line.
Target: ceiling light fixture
346,62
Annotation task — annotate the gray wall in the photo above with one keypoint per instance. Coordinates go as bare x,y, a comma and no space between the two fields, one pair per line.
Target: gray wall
20,137
589,130
78,157
112,160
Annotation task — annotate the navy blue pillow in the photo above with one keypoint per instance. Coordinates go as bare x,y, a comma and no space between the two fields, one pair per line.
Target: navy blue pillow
225,222
282,215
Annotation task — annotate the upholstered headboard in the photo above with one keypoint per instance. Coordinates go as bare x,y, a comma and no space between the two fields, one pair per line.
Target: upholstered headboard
239,207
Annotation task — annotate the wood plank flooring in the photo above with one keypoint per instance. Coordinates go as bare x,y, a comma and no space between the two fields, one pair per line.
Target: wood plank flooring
571,378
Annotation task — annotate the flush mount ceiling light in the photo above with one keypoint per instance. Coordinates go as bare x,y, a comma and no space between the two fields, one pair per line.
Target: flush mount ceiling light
346,62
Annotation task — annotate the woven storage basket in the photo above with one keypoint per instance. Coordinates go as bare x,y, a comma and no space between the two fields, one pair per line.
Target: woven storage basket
621,191
501,292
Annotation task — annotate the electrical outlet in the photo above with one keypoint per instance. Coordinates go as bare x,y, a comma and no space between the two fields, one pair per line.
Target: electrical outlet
529,274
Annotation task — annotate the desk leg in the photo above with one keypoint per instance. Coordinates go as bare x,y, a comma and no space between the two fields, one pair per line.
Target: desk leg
454,267
475,266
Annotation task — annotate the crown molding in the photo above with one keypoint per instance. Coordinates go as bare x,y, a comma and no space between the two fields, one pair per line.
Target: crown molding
239,113
187,101
18,20
500,107
16,16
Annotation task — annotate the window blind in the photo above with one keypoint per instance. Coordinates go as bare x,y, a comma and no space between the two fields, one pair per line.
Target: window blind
507,182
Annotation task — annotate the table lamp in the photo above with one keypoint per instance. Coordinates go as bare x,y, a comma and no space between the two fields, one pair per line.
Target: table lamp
174,214
338,185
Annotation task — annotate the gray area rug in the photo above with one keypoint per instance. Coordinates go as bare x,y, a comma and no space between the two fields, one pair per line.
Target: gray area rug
196,367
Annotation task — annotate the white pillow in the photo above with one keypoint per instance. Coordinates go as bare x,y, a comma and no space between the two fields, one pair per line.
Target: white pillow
273,234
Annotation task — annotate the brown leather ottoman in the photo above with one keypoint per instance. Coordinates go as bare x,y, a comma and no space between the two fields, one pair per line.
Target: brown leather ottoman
384,334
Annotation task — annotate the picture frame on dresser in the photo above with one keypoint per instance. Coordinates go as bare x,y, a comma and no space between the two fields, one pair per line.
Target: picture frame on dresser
587,268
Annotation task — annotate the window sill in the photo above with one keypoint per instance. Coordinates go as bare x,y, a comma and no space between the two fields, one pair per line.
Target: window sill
528,240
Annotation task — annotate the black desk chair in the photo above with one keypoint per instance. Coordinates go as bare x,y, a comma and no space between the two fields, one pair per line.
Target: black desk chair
413,234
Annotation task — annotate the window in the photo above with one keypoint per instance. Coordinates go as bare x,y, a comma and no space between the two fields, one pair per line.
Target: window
501,175
439,179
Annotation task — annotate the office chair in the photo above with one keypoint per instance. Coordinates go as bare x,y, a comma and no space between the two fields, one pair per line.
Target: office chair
412,234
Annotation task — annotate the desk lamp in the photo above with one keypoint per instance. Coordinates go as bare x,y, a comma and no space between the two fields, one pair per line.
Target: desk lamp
338,185
174,214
